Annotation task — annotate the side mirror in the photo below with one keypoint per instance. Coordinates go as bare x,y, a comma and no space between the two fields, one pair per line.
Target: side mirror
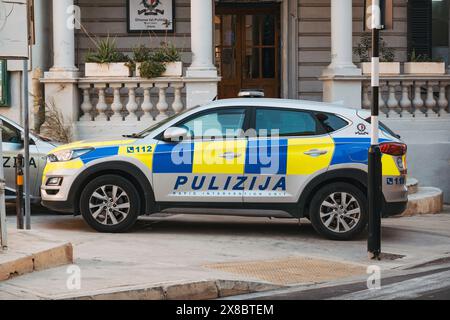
175,134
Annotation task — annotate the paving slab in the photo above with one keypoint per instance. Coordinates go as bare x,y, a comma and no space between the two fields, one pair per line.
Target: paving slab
180,249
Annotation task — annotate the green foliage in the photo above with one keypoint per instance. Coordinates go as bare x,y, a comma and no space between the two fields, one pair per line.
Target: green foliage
363,50
423,58
141,53
106,53
152,69
153,63
166,53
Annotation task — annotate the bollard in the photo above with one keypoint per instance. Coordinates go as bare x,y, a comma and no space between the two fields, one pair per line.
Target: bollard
19,192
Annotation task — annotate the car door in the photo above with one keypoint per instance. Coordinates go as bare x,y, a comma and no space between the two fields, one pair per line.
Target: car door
207,167
12,145
289,149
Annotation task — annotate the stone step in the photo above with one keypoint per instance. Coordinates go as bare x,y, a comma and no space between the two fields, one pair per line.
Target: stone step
413,185
427,200
30,251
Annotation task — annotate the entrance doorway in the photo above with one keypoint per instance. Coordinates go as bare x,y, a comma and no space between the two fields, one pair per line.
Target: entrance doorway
247,48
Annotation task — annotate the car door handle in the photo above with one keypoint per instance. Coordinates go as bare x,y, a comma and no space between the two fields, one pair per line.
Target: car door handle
315,152
230,155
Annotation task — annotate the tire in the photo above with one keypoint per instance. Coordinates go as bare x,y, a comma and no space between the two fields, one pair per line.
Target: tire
105,212
331,217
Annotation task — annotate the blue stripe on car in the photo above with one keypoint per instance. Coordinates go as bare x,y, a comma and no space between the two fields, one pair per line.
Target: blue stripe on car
173,158
266,157
351,150
99,153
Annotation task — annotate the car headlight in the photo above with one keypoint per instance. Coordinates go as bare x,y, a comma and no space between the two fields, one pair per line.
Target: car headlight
67,155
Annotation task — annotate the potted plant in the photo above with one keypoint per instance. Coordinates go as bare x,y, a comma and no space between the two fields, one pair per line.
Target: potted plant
107,61
422,64
163,62
168,55
387,57
140,54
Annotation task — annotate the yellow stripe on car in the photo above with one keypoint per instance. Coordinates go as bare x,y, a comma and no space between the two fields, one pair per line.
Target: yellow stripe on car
389,166
221,157
301,163
63,165
143,153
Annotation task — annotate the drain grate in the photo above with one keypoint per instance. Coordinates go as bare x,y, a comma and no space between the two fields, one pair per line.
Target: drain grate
292,270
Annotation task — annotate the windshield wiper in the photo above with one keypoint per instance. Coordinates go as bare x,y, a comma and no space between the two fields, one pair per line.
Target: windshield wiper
134,135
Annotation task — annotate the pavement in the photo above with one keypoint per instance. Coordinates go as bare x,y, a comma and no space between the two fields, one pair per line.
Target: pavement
226,255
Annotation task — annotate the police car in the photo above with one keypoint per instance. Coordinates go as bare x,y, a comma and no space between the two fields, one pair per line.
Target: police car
253,157
12,145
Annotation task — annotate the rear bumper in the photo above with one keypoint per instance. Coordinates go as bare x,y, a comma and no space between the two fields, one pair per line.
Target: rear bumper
393,208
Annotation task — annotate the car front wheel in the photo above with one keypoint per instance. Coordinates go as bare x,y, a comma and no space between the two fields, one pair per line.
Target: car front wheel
339,211
110,203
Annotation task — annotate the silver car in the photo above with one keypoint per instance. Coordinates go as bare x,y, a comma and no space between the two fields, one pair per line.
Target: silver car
12,143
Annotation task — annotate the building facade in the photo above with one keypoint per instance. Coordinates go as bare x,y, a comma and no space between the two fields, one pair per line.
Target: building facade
299,49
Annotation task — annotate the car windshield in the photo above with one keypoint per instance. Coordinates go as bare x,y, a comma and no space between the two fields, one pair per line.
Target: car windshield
156,126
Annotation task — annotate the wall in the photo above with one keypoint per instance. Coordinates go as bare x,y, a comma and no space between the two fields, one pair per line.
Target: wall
101,18
315,40
428,155
41,56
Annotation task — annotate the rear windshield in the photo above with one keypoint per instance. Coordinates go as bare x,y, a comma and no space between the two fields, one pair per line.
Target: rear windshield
384,128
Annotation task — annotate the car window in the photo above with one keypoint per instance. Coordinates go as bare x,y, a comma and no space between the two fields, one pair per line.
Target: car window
10,133
286,122
218,123
331,122
384,128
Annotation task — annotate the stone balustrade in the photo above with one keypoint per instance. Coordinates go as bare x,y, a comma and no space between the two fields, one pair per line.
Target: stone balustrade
130,100
410,96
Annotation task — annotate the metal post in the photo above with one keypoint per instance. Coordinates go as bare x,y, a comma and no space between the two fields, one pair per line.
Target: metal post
374,157
26,145
3,233
19,191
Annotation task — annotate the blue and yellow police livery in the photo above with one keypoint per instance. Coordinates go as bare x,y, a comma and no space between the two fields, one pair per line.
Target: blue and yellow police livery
259,157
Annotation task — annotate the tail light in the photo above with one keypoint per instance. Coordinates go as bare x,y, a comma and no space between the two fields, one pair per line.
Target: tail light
393,148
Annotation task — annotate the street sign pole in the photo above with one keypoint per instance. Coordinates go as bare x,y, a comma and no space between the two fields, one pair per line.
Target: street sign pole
26,145
374,157
3,232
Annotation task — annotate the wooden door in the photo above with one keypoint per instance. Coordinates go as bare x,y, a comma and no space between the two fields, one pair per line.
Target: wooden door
248,49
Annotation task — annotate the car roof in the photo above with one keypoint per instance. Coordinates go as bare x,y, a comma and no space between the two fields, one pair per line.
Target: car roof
283,103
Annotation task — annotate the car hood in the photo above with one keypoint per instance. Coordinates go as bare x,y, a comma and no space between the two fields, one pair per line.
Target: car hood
94,144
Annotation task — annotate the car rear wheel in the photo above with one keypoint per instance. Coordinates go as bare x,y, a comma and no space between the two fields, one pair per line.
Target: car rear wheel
338,211
110,203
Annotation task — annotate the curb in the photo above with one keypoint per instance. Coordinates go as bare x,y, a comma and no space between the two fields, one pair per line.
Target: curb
199,290
46,259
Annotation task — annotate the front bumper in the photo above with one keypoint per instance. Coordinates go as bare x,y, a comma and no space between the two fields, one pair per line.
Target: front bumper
59,206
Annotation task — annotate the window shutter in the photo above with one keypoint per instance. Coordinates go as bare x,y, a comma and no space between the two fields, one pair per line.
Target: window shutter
419,27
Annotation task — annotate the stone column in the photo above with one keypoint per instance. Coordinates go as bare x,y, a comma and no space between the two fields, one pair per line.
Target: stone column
61,82
202,39
63,37
201,76
336,89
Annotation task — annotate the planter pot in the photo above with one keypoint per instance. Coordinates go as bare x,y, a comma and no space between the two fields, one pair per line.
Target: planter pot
137,71
173,69
424,68
386,68
118,69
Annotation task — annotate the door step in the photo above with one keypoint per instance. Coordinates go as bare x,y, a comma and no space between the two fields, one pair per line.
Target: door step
426,200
